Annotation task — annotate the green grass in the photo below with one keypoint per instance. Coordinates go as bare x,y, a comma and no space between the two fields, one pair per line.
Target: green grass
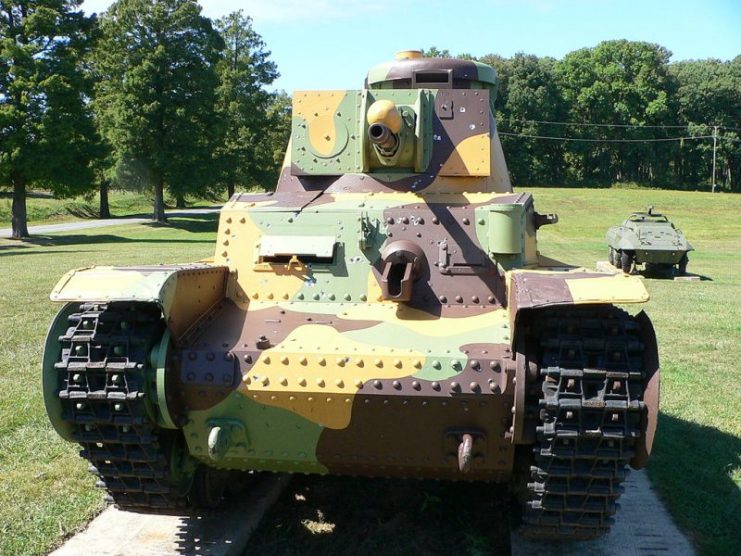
696,465
43,209
46,493
45,490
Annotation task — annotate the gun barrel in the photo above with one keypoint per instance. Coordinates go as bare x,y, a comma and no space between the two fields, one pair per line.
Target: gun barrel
381,136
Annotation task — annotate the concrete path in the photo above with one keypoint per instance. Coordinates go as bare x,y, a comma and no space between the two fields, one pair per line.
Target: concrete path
643,527
86,224
216,533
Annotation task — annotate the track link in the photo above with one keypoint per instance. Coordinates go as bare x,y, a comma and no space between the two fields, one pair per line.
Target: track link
105,396
590,404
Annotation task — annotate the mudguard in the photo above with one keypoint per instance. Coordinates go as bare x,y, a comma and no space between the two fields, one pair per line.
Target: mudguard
537,289
184,292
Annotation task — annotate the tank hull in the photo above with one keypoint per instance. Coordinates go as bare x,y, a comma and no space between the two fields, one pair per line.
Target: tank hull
363,391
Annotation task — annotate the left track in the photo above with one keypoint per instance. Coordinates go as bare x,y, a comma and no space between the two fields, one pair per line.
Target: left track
106,390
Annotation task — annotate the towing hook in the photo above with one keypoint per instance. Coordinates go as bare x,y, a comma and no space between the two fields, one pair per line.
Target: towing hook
465,455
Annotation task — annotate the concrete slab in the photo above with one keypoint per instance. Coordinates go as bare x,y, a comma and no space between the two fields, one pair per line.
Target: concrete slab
5,233
604,266
642,527
211,533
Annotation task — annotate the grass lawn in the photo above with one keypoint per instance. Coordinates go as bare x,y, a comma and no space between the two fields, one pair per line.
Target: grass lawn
46,492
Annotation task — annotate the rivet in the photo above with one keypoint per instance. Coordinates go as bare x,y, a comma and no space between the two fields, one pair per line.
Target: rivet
443,299
331,297
266,360
435,385
264,381
377,384
417,364
116,379
340,361
475,364
284,360
455,364
316,297
255,295
79,406
363,297
473,386
482,221
475,299
339,383
77,377
283,381
358,383
320,382
347,297
285,296
455,386
322,361
466,221
125,428
300,296
396,384
301,381
415,385
360,363
459,298
378,363
436,364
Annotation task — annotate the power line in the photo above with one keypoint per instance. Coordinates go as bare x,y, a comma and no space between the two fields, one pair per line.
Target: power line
632,126
585,140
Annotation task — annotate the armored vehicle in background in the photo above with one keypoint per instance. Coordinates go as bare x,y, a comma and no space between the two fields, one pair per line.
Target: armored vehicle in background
385,312
649,239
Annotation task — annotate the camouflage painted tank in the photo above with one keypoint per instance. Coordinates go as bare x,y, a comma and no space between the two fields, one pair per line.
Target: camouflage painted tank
649,239
385,312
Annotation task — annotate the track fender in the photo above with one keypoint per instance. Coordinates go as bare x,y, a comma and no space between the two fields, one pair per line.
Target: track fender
537,289
183,292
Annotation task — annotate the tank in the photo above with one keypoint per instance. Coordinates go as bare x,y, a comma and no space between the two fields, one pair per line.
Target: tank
384,313
648,239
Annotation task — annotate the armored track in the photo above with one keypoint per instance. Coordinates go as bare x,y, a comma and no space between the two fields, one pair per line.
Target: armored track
590,403
104,392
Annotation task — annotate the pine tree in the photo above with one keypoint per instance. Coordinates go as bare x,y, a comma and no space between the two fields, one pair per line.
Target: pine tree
156,101
47,136
244,156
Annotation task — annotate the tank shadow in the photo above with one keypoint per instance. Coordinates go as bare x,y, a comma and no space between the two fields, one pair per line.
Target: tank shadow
692,467
344,515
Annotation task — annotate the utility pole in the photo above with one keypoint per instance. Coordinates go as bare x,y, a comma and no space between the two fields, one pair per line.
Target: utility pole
715,147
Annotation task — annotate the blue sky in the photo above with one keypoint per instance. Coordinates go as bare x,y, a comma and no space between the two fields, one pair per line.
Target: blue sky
330,44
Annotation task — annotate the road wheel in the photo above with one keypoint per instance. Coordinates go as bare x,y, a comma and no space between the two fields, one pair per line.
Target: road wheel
626,261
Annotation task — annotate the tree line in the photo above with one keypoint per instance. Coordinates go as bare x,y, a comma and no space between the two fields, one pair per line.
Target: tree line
154,95
151,94
618,112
